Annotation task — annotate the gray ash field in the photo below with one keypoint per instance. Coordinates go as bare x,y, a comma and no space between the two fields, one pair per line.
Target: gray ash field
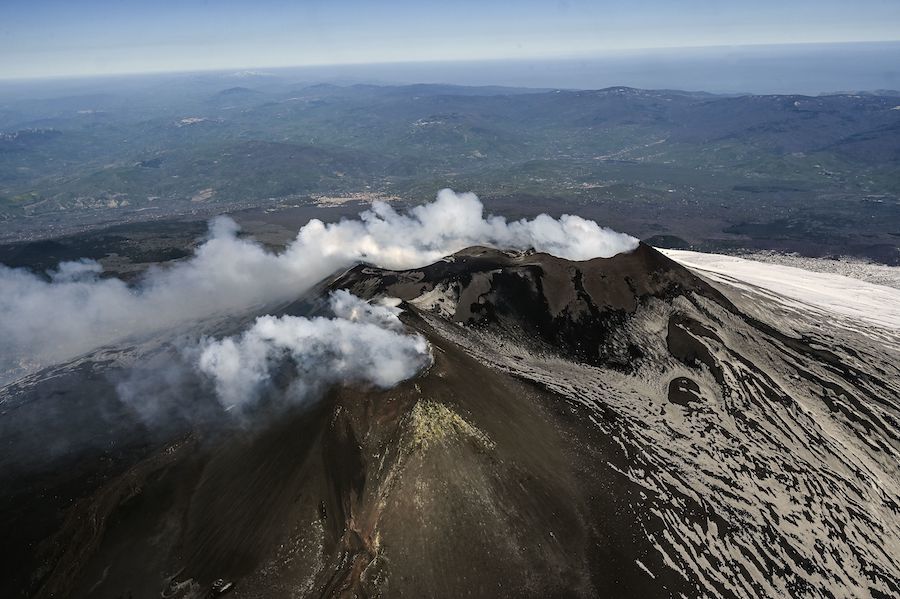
616,426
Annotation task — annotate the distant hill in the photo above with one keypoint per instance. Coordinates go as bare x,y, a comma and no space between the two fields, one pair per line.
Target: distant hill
237,91
688,164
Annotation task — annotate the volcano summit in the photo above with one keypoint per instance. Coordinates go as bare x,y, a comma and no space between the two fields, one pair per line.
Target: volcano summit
613,426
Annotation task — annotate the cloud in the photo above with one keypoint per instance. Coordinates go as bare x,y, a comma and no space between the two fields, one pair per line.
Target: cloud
452,222
45,321
364,343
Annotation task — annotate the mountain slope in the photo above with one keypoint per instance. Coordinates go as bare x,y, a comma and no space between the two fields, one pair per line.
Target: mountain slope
756,448
610,427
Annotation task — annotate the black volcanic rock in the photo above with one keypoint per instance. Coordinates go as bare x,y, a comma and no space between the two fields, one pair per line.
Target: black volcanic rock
573,307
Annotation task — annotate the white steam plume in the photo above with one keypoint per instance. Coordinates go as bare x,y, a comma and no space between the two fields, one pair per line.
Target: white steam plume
364,343
43,322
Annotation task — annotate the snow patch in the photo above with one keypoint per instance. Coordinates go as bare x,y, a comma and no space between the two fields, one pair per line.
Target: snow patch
838,294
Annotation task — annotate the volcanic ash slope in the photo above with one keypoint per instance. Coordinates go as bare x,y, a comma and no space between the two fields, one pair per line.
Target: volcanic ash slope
613,427
745,447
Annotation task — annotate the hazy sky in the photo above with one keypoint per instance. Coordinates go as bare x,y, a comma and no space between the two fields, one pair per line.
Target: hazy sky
76,37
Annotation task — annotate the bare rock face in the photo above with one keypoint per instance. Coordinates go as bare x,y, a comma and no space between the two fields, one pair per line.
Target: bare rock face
569,307
755,434
614,427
